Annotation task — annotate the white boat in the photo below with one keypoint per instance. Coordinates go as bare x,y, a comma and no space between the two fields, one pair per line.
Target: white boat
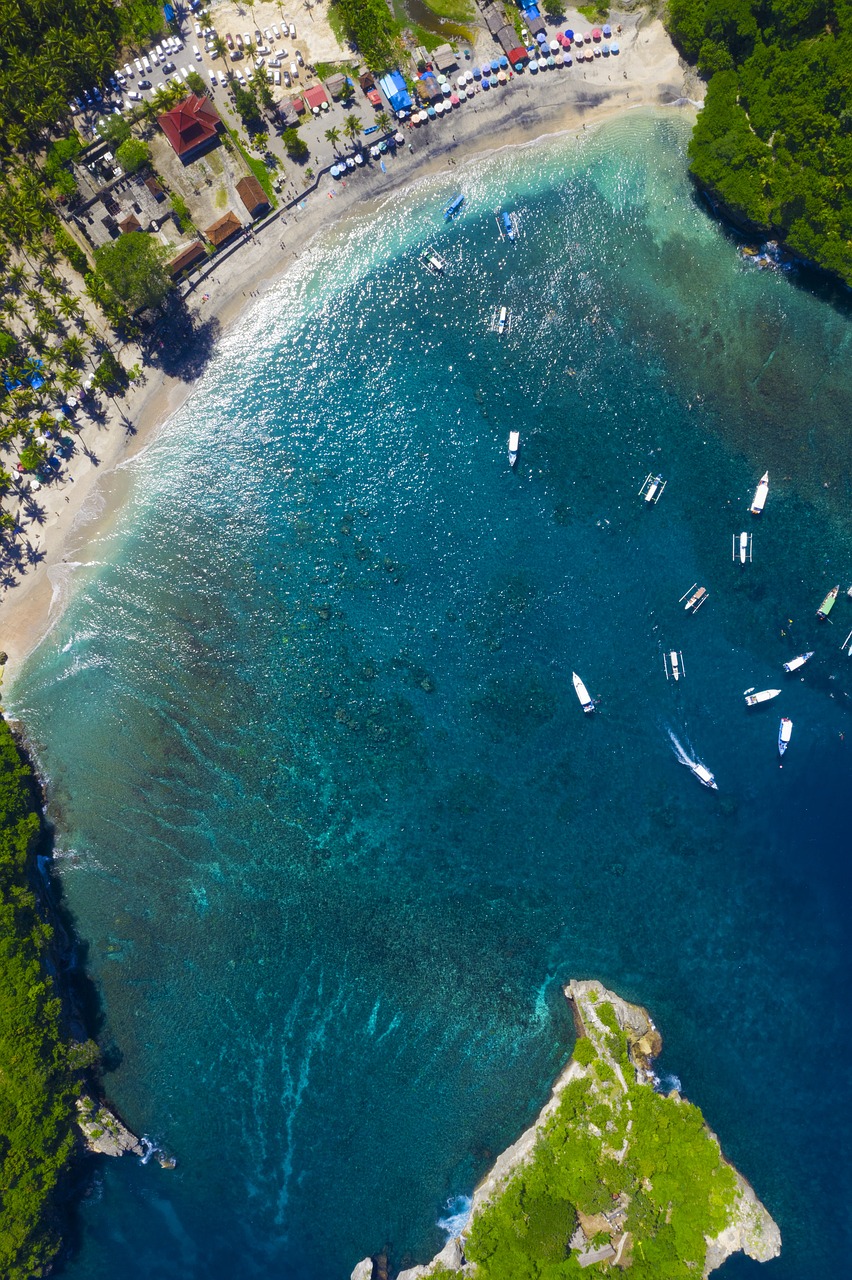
673,663
760,495
434,262
795,663
754,699
696,600
501,323
514,442
785,732
743,547
652,489
582,693
703,775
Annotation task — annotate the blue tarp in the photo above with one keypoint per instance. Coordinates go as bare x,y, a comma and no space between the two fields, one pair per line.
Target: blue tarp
169,12
532,11
393,87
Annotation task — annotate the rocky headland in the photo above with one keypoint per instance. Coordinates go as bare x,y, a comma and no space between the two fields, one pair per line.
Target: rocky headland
604,1108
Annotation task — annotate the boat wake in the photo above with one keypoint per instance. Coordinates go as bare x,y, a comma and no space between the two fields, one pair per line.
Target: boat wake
680,751
457,1215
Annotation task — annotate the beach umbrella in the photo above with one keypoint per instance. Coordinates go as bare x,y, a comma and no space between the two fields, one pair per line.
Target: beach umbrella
569,34
554,46
350,163
551,62
477,74
613,48
533,66
495,66
504,62
462,96
493,81
605,50
541,38
431,113
397,137
578,38
454,102
559,60
486,68
359,159
486,82
596,33
568,60
502,77
607,31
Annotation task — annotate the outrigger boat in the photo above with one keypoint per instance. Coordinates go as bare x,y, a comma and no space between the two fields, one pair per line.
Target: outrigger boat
828,603
582,693
785,731
847,645
673,663
795,663
760,495
434,262
703,774
514,442
507,225
696,600
742,547
453,207
754,699
502,320
652,489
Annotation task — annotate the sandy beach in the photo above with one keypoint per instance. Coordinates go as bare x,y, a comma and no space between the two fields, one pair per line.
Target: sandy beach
646,73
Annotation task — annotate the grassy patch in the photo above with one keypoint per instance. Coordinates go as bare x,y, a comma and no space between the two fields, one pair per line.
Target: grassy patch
594,12
455,10
326,69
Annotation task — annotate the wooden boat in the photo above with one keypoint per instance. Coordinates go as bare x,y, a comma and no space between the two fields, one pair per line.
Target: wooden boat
696,600
785,731
582,693
795,663
760,493
673,663
502,319
652,489
754,699
828,603
745,547
506,223
703,774
435,263
514,442
453,207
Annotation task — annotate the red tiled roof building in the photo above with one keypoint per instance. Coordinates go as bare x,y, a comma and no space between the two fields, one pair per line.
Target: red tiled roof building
191,126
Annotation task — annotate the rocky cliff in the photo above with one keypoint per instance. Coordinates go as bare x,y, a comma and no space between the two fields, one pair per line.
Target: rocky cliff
617,1042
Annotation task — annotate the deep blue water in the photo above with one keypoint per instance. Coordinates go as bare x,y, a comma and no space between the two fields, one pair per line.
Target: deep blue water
330,817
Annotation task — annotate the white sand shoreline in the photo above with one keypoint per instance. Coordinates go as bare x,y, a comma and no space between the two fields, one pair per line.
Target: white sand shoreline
557,103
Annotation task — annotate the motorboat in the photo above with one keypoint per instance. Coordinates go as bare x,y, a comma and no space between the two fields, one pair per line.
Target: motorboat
760,493
673,663
795,663
582,693
765,695
696,599
652,489
506,224
703,774
828,603
502,320
453,207
514,442
785,732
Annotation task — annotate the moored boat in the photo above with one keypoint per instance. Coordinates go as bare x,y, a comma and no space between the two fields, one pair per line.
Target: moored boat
501,322
514,442
795,663
703,774
582,693
696,600
828,603
785,731
760,493
453,207
743,547
507,226
765,695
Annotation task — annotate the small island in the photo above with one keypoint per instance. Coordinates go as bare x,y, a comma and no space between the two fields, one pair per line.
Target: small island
612,1173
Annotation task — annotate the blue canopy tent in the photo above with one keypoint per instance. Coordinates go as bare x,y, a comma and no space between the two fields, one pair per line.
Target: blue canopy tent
393,87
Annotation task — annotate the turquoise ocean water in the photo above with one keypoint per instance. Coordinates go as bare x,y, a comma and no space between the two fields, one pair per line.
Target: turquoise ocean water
330,818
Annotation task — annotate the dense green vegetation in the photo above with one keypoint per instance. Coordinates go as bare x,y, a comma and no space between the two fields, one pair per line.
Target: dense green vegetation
134,268
669,1178
774,140
37,1086
368,24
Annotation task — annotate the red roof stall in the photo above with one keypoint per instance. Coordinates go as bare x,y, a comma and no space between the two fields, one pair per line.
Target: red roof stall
375,97
191,126
517,56
315,96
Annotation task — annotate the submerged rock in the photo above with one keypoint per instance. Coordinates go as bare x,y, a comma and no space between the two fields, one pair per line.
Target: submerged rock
103,1133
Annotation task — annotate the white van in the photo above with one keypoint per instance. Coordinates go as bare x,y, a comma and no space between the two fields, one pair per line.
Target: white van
292,31
146,63
277,76
137,62
294,71
197,52
212,75
128,70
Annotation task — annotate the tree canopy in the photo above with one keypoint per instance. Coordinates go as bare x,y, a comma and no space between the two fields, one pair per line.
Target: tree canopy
774,140
134,269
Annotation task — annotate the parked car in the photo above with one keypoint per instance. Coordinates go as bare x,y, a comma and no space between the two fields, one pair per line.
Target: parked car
267,31
197,52
292,31
276,75
238,40
169,67
144,84
229,40
137,62
134,96
212,75
286,75
299,58
276,32
128,70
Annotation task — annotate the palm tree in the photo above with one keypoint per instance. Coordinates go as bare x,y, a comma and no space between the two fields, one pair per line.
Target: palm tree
74,350
383,121
352,127
333,136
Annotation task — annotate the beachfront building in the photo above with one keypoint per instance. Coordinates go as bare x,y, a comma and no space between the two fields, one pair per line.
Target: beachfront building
315,97
223,229
188,257
443,59
253,196
192,126
130,223
337,85
394,88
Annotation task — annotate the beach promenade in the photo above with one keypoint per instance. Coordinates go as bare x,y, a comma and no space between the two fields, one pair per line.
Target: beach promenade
646,73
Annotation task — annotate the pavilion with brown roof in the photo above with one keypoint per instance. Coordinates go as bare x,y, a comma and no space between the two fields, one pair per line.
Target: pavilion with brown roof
130,223
252,195
187,258
223,229
191,126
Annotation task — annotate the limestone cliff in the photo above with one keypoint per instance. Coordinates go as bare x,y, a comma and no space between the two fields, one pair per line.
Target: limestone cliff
621,1043
103,1133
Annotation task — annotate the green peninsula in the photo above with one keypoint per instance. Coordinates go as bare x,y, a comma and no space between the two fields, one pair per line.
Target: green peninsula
773,143
612,1174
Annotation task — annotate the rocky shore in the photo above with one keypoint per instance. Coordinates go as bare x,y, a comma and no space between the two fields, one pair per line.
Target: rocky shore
601,1238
